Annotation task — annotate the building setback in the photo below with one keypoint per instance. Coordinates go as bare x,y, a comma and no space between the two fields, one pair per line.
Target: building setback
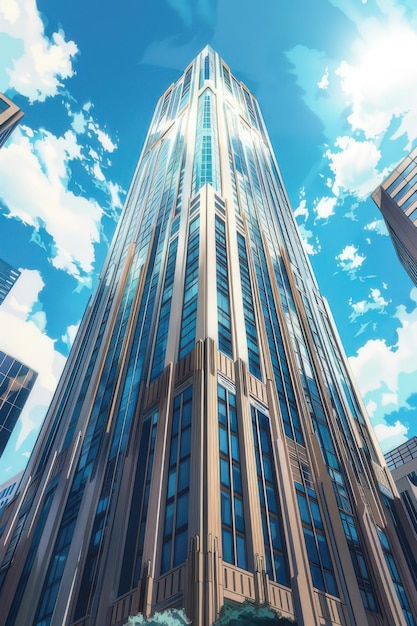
396,198
206,443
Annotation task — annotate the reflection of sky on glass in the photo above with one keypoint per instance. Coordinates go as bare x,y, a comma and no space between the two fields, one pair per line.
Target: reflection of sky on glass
334,81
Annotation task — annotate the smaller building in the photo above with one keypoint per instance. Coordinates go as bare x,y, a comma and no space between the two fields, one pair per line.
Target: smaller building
8,277
16,382
402,461
10,116
8,490
396,198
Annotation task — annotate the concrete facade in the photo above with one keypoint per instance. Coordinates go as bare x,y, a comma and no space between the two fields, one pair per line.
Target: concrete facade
206,443
396,198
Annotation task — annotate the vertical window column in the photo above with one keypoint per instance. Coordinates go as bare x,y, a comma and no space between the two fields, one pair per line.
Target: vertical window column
275,556
248,310
231,496
396,578
175,538
189,310
222,282
321,567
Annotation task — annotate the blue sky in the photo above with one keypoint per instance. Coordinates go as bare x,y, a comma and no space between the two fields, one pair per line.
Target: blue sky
336,81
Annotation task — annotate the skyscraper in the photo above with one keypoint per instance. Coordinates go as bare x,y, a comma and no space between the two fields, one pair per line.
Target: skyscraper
10,116
206,443
16,382
396,198
402,461
8,277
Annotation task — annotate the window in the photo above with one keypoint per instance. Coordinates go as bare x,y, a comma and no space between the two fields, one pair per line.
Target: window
175,539
206,167
164,313
275,554
395,577
222,282
189,310
248,310
135,535
321,567
231,493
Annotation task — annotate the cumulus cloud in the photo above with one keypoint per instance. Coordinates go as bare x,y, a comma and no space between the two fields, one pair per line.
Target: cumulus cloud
22,339
37,70
45,202
310,241
302,210
391,436
386,374
324,80
376,80
104,139
375,302
68,338
325,207
377,226
354,165
349,260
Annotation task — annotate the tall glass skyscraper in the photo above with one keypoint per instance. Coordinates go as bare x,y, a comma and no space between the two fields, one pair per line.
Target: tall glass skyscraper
206,443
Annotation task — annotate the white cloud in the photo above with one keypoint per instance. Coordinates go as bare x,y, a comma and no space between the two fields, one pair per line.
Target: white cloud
25,292
377,226
386,374
391,436
376,81
375,302
350,260
324,80
325,207
354,167
302,210
98,173
104,139
70,334
79,123
23,340
310,242
44,201
38,71
116,191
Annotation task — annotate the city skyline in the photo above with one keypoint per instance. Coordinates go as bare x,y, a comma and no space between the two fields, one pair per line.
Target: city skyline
339,139
207,444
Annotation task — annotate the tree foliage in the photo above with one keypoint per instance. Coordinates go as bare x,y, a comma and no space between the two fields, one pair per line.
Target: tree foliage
249,614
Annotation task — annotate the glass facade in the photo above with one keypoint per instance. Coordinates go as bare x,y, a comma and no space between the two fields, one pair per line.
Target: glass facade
206,443
8,277
231,484
16,383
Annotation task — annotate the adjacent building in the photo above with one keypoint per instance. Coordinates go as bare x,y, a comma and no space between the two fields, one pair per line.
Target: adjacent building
396,198
8,490
402,461
16,382
10,116
206,443
8,277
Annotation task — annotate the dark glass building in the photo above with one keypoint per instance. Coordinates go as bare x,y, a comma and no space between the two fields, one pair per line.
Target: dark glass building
206,443
8,277
16,382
